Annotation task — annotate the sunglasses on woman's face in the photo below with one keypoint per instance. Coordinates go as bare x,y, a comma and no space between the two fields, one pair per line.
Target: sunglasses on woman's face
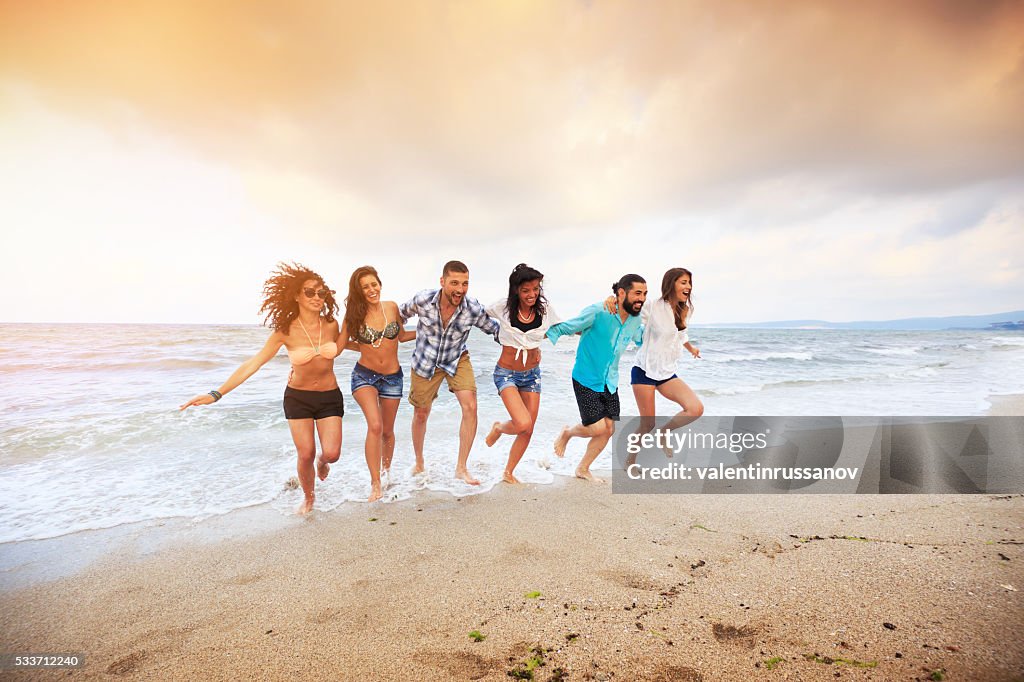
322,293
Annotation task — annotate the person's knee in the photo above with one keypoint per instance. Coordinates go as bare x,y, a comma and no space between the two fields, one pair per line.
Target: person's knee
419,415
388,435
468,404
697,409
523,427
306,454
374,428
331,455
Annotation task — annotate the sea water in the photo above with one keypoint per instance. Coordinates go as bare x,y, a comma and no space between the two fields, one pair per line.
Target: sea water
91,435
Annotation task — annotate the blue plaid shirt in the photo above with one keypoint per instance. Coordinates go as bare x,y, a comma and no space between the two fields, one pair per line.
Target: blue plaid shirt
438,346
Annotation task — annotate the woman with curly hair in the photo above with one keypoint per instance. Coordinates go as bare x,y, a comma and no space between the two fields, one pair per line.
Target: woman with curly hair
377,377
300,309
524,317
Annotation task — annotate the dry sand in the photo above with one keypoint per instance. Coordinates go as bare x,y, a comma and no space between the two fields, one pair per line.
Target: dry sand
606,587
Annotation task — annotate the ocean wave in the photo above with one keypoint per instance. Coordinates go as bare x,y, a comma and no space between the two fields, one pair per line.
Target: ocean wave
894,351
1004,343
162,364
767,355
788,383
731,390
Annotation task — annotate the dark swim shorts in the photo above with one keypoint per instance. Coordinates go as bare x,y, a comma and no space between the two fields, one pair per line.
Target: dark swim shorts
313,404
595,406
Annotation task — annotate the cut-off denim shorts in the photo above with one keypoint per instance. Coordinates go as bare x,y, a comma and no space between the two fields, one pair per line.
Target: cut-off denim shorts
527,380
387,385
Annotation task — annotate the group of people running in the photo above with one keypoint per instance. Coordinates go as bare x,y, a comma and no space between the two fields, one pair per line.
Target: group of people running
300,307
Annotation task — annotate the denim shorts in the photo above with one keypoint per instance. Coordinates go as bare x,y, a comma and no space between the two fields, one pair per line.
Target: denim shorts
387,385
527,380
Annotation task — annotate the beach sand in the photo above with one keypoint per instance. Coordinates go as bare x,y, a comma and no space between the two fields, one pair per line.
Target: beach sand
656,587
593,585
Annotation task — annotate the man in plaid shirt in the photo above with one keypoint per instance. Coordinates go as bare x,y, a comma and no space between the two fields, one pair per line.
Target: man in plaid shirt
445,317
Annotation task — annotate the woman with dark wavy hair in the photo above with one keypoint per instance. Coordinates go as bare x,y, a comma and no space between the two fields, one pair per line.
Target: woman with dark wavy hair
377,378
300,308
524,318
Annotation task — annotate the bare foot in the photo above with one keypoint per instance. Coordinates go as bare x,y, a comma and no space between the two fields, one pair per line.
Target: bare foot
306,506
509,478
418,468
385,478
494,435
562,441
375,493
587,476
322,469
463,475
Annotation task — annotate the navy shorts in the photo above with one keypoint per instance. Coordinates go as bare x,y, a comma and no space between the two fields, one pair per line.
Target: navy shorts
638,376
300,404
387,385
595,406
526,380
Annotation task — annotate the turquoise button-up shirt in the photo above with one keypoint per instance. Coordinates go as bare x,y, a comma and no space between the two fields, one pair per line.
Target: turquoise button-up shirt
605,337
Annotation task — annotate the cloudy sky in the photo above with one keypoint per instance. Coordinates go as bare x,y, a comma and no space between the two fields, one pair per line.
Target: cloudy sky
826,160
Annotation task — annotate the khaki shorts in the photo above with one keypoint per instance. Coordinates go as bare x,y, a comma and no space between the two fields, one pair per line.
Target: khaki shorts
422,392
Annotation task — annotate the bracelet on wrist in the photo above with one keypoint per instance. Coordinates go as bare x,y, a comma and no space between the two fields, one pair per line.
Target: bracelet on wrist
217,395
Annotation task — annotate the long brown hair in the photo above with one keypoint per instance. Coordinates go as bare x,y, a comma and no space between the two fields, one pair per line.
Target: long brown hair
356,306
682,309
280,290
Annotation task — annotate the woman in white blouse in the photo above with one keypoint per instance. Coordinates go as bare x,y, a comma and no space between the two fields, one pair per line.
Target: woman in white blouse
524,318
665,337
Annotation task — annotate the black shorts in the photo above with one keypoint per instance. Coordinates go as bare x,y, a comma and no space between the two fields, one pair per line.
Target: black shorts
595,406
313,404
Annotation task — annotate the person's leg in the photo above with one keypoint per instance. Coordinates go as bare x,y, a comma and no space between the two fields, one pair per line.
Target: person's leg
329,431
303,436
605,429
531,403
367,399
463,385
419,432
422,393
520,416
678,392
592,412
467,433
508,391
388,412
644,394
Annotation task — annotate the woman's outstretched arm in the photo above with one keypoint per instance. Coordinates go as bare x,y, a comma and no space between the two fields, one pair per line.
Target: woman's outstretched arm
244,371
